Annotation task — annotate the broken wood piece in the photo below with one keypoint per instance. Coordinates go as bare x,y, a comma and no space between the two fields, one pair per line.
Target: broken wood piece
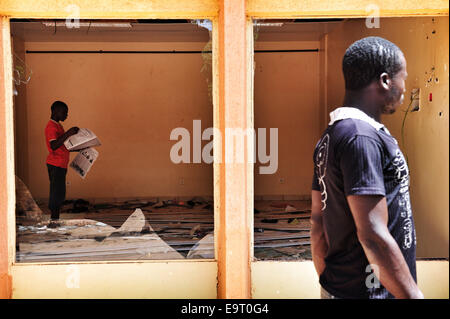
135,223
208,206
290,208
278,205
304,243
204,248
25,203
283,227
159,204
283,237
194,229
283,216
80,206
103,206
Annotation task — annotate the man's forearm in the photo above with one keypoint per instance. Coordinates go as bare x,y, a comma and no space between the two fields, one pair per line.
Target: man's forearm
371,217
59,141
319,247
383,252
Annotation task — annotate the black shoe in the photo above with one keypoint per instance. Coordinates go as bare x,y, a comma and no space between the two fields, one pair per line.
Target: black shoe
54,224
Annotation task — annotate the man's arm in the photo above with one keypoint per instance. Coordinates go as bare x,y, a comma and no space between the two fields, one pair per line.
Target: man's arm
55,144
371,216
319,244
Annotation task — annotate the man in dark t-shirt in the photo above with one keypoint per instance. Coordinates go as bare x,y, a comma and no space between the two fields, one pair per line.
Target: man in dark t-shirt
363,236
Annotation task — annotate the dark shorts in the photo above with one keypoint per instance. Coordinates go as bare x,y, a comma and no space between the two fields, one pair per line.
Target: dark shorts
57,176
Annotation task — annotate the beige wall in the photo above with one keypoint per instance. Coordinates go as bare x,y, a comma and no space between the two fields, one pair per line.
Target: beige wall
132,102
299,280
287,97
270,279
426,132
156,280
20,114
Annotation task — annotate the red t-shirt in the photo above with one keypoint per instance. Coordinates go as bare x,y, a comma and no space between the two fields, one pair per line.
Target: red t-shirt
60,156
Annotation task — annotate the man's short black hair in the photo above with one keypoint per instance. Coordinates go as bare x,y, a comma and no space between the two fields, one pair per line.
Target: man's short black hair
366,59
58,105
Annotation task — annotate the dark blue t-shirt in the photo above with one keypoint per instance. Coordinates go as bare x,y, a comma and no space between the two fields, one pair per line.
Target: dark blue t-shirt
354,158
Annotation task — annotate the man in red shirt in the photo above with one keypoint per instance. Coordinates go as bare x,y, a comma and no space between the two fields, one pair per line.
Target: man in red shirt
58,158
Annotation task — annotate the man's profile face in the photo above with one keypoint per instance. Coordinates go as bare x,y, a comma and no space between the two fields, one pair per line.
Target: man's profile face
396,93
62,113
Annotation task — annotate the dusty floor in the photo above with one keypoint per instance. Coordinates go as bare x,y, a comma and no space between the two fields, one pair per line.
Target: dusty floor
148,229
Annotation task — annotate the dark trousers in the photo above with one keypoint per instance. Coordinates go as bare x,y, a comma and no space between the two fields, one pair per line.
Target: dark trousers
57,176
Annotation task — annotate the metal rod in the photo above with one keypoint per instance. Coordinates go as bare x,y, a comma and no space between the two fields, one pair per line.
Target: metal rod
159,52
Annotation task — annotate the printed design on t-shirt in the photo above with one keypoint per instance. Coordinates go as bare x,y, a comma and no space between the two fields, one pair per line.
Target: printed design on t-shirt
321,167
402,176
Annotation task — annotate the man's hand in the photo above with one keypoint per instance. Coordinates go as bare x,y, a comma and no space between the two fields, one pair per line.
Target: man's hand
72,131
60,141
319,244
371,216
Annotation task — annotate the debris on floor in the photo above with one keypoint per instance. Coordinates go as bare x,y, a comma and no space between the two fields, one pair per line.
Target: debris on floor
83,244
135,224
203,249
157,229
25,204
80,205
271,221
290,208
279,205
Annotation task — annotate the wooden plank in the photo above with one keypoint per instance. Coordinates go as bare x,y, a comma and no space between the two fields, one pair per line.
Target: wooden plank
275,9
283,237
102,9
306,243
281,227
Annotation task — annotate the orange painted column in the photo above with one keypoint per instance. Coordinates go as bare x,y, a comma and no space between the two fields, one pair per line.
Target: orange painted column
5,278
234,233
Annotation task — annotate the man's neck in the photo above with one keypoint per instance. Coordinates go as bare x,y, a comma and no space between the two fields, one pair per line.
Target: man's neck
54,119
363,101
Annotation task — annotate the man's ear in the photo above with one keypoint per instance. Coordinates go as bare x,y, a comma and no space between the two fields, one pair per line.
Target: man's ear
385,81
